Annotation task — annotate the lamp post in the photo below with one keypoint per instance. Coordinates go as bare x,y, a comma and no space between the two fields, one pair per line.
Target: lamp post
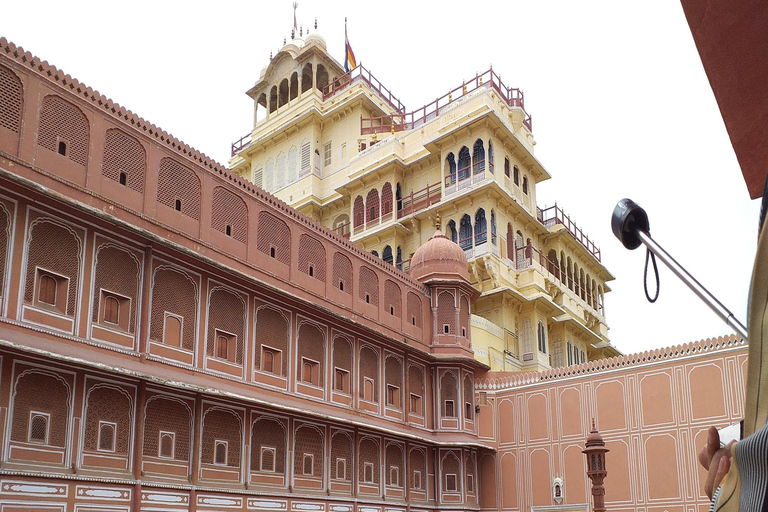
596,471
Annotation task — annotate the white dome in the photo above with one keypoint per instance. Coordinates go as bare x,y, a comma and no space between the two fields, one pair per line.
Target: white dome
316,38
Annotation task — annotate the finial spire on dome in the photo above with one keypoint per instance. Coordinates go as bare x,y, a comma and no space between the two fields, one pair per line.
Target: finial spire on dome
315,22
437,222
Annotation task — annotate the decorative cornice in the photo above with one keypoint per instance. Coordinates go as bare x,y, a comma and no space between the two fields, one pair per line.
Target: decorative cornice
512,380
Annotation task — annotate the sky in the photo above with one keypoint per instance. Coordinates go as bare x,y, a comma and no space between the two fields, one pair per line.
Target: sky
620,102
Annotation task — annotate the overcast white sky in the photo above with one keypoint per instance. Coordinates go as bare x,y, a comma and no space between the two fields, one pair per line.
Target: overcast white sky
620,102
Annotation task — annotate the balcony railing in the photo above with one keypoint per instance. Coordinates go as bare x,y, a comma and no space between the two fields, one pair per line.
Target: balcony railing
528,255
418,200
241,143
360,74
405,266
478,245
513,97
463,179
555,215
343,230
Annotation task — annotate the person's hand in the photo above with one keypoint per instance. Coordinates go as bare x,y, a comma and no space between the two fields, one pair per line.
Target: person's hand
716,459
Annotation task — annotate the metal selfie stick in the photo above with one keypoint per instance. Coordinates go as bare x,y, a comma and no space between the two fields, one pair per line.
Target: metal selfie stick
630,225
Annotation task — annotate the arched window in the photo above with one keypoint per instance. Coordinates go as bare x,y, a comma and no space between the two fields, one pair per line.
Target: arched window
570,354
516,176
450,169
493,227
283,92
273,99
222,347
464,163
372,205
306,78
399,258
386,199
111,310
481,227
375,253
294,85
465,232
399,197
490,157
478,157
452,234
525,184
358,214
322,77
387,255
47,292
542,339
506,167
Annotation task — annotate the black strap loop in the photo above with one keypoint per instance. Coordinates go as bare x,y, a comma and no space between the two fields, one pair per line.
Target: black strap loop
652,256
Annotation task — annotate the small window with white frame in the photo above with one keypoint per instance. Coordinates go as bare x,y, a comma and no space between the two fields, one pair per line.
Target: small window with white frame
106,441
341,380
327,154
51,290
220,449
470,483
393,396
271,360
166,448
308,464
267,459
225,346
451,483
114,310
368,473
341,469
39,427
394,476
417,479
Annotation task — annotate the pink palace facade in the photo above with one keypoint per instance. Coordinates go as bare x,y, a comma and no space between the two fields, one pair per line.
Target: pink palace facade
173,338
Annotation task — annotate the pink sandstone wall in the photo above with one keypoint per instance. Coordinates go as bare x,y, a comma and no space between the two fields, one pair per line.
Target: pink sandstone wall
652,410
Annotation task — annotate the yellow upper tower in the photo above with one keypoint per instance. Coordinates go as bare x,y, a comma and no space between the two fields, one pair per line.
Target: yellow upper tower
341,148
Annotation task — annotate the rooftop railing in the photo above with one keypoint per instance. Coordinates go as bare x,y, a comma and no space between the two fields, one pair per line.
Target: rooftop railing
555,215
360,74
512,96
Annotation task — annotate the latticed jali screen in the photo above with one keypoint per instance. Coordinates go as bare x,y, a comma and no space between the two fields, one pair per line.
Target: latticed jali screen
221,425
369,368
446,313
308,441
448,391
62,122
268,433
342,272
394,460
169,415
418,466
342,354
40,392
176,182
312,254
341,448
124,154
369,286
392,298
272,329
175,293
393,372
272,234
108,404
57,249
416,380
229,210
311,345
10,100
226,311
369,453
414,309
5,228
116,271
